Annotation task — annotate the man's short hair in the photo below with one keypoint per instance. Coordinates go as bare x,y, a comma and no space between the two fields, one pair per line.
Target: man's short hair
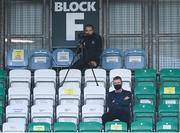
88,25
117,77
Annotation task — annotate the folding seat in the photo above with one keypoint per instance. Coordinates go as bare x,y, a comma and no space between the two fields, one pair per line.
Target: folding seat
39,127
145,95
69,95
67,113
167,75
13,127
142,126
65,127
116,126
92,112
167,126
90,127
100,75
145,112
45,77
63,58
73,78
95,95
40,59
111,59
134,58
20,77
17,114
125,74
17,59
19,95
42,113
168,111
169,94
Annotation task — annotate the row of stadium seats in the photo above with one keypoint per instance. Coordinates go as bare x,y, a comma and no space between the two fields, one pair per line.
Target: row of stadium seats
61,58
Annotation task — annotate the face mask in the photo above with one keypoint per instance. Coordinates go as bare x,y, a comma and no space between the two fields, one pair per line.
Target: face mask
118,86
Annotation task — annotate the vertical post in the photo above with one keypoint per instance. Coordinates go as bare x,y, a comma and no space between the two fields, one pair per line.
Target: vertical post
44,24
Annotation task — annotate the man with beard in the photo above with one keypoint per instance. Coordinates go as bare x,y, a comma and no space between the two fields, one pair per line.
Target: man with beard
118,103
90,49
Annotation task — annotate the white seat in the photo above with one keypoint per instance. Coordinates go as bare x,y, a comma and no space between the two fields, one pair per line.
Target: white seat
42,113
92,112
125,74
17,114
73,77
13,127
44,95
94,95
67,113
20,78
100,77
19,95
45,77
69,95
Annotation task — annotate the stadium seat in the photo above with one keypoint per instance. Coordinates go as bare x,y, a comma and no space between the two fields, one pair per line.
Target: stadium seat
167,75
40,59
42,113
90,127
116,127
167,126
168,111
67,113
65,127
17,59
3,76
142,126
100,75
17,114
62,58
2,93
145,95
142,75
111,59
169,94
39,127
20,77
125,74
19,95
45,77
69,95
145,112
134,58
95,95
13,127
92,112
73,78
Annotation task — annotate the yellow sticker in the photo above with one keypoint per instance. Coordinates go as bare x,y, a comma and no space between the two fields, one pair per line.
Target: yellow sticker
69,91
38,128
18,55
116,127
169,90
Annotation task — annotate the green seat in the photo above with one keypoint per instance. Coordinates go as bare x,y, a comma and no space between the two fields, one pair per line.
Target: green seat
2,93
3,75
167,126
169,75
145,95
65,127
145,75
151,84
116,127
39,127
141,126
90,127
169,94
144,112
167,111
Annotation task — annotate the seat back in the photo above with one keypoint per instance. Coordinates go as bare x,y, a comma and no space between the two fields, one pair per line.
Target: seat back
39,127
142,75
13,127
87,127
17,58
40,59
166,126
111,59
170,74
116,127
141,126
65,127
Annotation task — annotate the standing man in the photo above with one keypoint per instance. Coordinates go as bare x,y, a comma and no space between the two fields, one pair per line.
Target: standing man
119,102
90,49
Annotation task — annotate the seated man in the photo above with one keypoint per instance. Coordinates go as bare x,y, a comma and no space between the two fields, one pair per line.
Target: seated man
118,103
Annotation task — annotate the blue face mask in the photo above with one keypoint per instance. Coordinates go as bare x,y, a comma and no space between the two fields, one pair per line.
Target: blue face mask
118,86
